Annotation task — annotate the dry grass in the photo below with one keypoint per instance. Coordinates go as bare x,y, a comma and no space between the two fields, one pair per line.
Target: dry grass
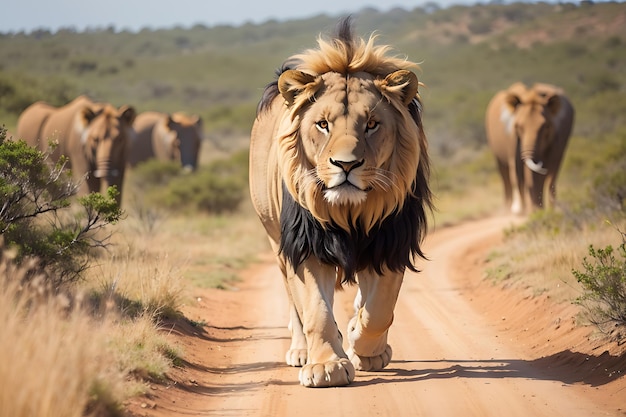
149,281
142,350
471,204
543,262
210,250
466,186
55,361
90,359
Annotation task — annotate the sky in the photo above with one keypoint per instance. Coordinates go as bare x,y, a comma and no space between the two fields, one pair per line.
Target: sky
134,15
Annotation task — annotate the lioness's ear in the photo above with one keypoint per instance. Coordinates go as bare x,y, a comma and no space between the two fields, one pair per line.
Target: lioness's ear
554,104
81,123
169,121
513,94
402,84
87,114
293,82
128,114
512,101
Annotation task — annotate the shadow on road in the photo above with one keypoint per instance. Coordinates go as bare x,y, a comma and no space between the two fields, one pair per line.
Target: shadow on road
566,366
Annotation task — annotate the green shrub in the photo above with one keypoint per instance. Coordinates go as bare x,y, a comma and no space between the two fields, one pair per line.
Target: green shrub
604,283
38,219
215,188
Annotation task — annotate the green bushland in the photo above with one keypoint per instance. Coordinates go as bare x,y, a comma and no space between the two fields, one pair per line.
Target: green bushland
17,91
219,72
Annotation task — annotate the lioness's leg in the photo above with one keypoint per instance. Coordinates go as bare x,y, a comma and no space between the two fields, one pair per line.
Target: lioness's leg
367,330
517,185
312,289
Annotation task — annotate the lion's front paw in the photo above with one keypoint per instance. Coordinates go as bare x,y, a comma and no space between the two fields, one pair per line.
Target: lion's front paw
327,374
296,357
370,363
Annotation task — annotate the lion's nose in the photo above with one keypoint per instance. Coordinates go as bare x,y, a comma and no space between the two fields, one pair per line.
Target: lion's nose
347,166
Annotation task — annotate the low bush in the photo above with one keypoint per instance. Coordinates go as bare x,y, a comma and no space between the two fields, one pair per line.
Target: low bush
38,219
603,279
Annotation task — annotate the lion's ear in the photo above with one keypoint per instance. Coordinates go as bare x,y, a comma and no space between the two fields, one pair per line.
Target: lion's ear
402,84
293,82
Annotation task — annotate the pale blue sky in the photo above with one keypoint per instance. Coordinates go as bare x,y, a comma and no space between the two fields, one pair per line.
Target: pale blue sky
18,15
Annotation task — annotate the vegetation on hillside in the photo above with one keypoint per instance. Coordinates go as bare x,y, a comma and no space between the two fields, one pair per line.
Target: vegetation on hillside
219,72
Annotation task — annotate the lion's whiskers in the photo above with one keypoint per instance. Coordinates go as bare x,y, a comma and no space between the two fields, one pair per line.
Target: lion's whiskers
376,178
383,179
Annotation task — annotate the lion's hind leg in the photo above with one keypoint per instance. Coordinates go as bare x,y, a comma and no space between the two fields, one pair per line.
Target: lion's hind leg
367,331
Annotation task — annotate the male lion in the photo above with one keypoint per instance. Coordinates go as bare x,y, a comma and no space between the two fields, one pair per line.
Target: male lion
339,178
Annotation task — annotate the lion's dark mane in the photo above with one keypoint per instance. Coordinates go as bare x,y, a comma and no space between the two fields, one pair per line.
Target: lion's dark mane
391,244
269,93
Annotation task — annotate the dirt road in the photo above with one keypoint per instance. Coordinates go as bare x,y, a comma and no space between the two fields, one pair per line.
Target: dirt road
461,347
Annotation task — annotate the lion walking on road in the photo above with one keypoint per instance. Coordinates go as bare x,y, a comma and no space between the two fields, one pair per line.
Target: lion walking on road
339,178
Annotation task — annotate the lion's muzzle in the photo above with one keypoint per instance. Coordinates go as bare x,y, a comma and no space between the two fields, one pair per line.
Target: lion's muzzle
344,185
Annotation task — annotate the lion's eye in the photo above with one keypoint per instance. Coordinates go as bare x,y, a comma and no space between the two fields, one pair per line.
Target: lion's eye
372,125
322,126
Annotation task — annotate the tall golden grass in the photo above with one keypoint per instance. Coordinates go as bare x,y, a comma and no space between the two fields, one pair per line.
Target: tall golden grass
84,353
55,358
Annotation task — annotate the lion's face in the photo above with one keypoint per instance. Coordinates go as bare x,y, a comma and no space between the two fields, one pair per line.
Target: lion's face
353,150
105,135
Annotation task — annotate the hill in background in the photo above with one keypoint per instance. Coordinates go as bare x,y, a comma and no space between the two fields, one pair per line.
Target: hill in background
467,53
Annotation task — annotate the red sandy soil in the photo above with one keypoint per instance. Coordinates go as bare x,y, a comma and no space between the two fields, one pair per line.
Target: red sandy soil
461,347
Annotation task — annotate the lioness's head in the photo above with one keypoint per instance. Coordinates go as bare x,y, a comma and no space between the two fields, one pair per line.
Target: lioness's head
352,147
